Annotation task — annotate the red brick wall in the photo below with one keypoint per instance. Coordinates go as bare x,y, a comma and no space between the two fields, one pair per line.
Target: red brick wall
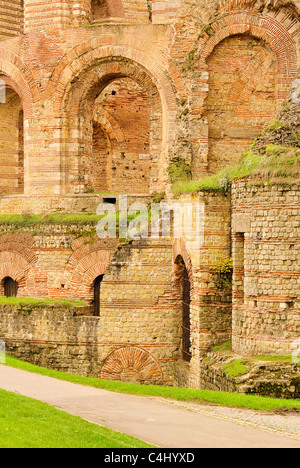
241,99
127,109
164,11
41,15
99,164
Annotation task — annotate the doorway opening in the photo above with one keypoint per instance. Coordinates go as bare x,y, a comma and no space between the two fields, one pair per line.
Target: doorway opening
10,287
97,293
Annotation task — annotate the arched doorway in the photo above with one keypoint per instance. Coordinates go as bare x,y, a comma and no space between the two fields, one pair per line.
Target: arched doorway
121,139
97,292
184,289
10,287
186,317
115,108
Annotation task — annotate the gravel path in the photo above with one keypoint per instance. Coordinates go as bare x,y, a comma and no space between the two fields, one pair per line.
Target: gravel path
282,423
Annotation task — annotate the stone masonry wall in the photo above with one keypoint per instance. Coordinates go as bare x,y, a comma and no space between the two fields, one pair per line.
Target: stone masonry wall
72,341
210,308
140,312
266,310
203,77
141,296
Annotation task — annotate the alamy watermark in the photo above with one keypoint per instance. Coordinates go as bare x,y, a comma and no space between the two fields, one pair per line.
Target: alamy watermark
2,92
296,351
2,352
157,221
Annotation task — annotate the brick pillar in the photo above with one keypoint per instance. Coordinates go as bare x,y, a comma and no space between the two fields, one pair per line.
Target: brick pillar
164,11
11,18
41,15
42,171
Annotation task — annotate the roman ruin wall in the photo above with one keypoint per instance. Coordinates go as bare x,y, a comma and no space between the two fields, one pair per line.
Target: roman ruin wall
97,98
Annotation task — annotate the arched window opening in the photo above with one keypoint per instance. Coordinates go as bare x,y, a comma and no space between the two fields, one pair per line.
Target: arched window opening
10,287
97,293
99,9
116,110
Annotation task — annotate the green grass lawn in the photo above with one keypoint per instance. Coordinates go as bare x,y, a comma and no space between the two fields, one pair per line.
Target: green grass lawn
27,423
182,394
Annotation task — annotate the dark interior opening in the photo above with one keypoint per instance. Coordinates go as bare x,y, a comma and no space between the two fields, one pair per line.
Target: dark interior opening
10,287
97,292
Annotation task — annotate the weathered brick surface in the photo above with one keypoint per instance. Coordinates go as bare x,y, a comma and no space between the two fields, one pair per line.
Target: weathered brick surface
266,281
100,96
11,18
242,97
140,308
141,295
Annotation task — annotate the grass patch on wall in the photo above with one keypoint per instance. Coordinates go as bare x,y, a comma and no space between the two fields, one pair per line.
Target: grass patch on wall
235,368
270,358
275,164
28,220
179,171
223,347
36,302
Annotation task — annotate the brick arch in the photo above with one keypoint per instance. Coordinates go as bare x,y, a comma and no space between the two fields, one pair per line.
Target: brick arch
87,54
16,260
14,73
85,265
86,81
131,364
93,80
179,250
275,32
256,5
110,126
19,243
265,28
15,266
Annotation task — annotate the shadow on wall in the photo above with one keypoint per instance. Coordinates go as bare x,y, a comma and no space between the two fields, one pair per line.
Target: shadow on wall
12,140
